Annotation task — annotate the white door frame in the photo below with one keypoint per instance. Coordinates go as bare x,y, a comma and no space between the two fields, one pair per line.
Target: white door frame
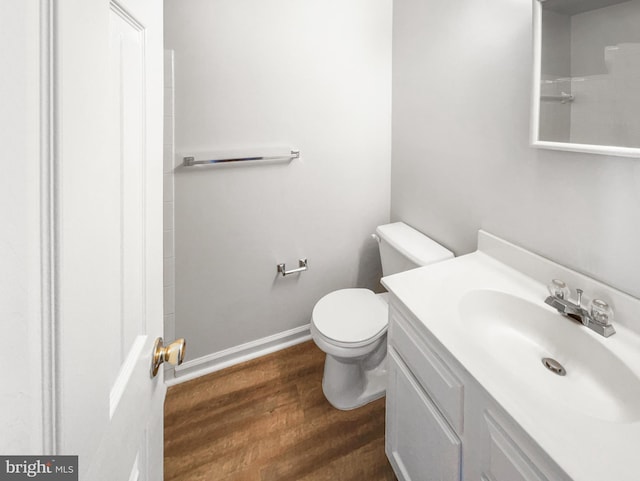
48,222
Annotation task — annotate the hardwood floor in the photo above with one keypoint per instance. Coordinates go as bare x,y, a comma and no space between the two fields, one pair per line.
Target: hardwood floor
267,420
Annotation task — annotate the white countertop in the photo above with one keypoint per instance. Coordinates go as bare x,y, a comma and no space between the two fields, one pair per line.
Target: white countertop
586,445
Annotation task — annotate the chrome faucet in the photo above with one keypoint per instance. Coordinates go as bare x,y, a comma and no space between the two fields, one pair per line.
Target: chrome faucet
598,318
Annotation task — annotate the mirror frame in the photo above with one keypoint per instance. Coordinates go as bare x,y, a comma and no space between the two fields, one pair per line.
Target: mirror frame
535,105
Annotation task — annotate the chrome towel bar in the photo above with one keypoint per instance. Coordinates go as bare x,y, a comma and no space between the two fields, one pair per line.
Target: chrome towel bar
301,262
563,98
190,161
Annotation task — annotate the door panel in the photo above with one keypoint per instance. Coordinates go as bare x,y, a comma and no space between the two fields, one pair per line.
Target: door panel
109,104
508,462
126,103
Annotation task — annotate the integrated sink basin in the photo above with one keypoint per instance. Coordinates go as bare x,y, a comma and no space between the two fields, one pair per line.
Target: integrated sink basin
488,311
519,334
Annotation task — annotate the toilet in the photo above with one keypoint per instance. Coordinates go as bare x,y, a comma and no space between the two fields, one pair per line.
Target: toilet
350,325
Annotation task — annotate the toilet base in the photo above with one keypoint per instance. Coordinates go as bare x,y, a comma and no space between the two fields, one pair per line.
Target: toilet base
348,385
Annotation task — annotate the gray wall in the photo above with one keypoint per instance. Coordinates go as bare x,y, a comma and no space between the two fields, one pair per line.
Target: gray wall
20,289
461,154
252,73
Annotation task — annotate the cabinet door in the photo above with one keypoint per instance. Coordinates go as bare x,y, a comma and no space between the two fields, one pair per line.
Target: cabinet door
507,461
419,443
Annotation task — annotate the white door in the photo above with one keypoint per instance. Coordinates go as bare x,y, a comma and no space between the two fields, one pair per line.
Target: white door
109,95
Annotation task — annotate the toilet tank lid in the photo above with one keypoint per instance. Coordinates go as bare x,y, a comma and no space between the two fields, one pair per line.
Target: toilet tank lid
416,246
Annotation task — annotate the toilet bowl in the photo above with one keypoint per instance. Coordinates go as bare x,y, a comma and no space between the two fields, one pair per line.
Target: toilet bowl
350,325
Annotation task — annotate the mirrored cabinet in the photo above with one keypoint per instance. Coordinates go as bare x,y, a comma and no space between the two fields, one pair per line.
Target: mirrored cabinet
586,87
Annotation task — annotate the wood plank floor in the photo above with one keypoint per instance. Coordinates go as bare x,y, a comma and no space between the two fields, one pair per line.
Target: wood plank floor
267,420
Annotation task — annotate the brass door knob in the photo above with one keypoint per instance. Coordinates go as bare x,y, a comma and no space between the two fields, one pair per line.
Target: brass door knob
172,353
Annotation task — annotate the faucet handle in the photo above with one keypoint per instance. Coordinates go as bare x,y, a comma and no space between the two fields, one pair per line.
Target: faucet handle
559,289
579,292
601,312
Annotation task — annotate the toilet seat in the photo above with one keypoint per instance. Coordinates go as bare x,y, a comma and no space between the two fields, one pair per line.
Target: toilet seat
350,317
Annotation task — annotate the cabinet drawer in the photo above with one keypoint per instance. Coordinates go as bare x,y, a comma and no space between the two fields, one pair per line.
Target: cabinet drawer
436,378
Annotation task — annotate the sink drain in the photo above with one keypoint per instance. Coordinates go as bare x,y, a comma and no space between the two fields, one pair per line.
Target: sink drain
554,366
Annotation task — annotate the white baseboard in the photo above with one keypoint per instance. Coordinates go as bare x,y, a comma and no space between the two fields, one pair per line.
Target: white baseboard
235,355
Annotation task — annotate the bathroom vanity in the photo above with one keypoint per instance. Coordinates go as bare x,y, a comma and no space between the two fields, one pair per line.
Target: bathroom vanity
469,397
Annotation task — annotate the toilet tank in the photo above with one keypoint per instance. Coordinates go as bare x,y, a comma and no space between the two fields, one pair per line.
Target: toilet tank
403,248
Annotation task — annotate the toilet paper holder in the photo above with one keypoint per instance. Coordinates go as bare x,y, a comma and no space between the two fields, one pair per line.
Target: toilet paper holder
303,266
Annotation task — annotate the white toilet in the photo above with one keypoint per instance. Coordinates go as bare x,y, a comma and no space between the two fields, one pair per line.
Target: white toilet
350,325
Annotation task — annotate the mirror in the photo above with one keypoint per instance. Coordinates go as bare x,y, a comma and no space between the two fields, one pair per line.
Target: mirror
586,88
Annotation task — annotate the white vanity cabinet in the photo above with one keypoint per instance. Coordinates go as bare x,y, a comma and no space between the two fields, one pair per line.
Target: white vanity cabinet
441,424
